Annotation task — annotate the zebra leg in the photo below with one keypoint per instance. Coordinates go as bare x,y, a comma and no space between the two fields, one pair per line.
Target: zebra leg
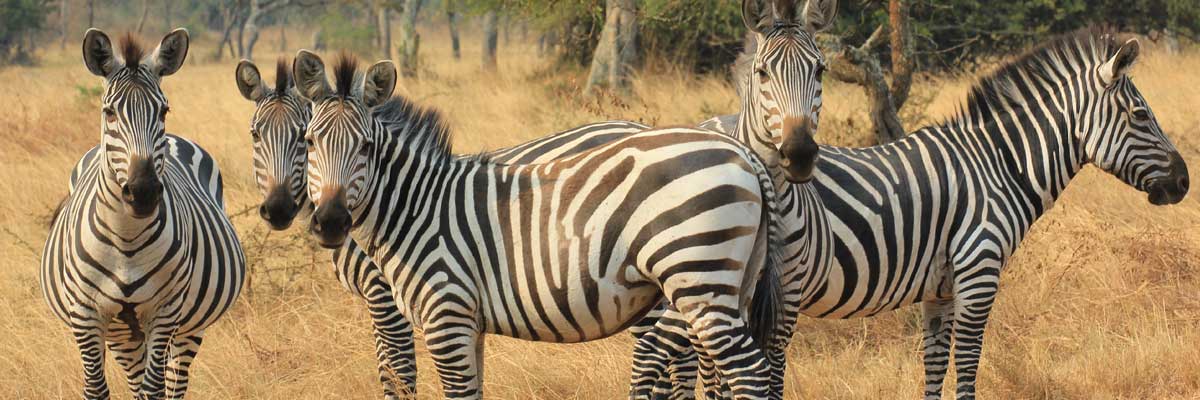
938,321
710,379
158,351
456,351
652,356
393,342
183,352
683,374
131,356
393,332
725,338
973,303
90,340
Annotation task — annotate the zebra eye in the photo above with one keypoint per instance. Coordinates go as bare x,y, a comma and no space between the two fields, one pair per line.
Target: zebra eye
254,134
820,70
308,141
1141,115
762,73
109,114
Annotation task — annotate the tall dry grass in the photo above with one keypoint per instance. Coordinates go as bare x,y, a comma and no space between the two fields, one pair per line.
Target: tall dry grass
1102,300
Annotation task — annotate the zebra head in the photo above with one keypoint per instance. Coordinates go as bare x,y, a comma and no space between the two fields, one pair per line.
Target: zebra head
340,138
1124,138
134,112
277,128
781,91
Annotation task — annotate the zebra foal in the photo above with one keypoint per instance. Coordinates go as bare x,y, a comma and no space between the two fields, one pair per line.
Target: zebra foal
141,257
565,251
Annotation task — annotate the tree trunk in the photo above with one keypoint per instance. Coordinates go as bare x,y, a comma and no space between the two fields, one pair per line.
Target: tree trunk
452,22
283,34
490,34
230,17
145,13
251,28
410,40
901,42
91,4
241,34
617,48
384,25
858,65
167,14
64,16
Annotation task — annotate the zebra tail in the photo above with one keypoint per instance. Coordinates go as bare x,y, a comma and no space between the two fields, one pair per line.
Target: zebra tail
766,306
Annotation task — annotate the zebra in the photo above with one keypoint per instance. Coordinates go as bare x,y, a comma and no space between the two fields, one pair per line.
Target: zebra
787,98
141,257
934,217
680,213
277,129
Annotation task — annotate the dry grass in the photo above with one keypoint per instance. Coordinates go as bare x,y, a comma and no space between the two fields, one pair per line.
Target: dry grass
1102,301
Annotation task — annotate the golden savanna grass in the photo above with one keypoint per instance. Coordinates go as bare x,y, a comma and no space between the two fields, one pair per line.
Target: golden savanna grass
1101,301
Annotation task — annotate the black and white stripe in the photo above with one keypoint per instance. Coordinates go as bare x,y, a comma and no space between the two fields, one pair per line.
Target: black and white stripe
933,218
141,257
567,251
277,127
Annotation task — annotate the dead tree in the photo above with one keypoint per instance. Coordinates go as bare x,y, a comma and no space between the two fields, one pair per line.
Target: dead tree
452,22
64,17
615,54
145,13
383,23
490,37
91,5
859,65
410,40
167,14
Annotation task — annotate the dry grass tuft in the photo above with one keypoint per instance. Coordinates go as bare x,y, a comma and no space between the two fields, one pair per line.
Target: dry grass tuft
1102,301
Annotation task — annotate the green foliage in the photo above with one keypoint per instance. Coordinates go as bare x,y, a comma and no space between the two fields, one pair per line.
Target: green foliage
703,33
341,32
19,20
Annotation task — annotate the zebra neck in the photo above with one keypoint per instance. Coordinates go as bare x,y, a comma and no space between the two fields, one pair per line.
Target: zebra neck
407,194
113,218
762,145
1031,144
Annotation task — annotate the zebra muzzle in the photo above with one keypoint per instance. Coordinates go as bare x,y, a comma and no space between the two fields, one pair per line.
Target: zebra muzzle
799,150
143,191
331,222
279,209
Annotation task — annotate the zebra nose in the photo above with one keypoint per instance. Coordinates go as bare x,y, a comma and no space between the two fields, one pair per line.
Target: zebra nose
1183,183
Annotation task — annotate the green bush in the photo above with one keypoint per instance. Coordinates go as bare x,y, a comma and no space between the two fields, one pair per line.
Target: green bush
19,20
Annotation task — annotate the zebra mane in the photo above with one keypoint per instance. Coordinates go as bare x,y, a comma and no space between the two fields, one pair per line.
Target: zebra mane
418,127
345,72
283,75
132,50
1055,61
741,65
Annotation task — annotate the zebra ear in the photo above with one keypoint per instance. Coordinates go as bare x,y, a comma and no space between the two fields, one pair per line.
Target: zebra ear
819,15
309,73
755,15
1120,63
249,81
379,83
98,53
171,52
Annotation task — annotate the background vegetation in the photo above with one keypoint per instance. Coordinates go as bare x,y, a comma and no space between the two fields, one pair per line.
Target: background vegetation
1102,301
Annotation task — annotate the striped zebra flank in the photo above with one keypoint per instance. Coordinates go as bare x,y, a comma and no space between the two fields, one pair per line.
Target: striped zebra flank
934,217
277,130
571,250
141,257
